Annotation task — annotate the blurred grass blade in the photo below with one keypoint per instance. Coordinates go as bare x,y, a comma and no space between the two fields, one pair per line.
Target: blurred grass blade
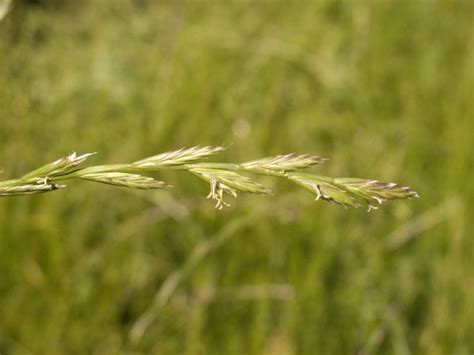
4,8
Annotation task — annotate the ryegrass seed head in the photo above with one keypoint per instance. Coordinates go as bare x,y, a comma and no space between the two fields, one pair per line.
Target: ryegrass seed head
223,178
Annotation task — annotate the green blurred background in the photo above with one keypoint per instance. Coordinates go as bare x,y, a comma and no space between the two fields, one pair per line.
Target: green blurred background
383,88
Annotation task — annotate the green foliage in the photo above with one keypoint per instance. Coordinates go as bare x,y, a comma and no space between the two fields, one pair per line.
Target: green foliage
382,87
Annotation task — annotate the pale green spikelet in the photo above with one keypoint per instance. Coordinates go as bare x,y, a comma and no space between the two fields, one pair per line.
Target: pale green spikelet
177,157
349,192
134,181
28,189
224,181
60,167
283,163
324,188
373,191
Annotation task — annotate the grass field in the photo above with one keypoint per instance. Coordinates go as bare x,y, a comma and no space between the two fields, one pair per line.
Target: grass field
383,88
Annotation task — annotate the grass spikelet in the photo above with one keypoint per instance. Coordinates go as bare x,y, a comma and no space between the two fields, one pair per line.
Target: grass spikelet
324,189
27,189
60,167
177,157
283,163
348,192
225,181
373,191
134,181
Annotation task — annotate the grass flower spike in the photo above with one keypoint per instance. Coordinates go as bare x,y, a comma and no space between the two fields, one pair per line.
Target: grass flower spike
223,178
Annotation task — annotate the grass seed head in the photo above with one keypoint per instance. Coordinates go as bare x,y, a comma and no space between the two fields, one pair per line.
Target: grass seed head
223,178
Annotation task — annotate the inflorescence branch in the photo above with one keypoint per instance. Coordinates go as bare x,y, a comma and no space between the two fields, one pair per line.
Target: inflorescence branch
224,179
